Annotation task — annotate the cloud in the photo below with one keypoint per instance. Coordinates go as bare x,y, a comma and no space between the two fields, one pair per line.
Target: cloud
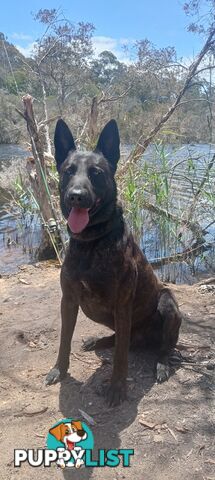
114,45
21,36
27,51
104,43
100,44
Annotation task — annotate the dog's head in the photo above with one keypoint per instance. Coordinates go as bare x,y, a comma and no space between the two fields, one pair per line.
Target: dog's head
69,433
86,178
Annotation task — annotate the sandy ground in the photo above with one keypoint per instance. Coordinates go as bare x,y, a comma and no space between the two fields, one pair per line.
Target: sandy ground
176,441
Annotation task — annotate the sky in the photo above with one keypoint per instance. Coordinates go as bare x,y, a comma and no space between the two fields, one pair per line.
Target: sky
117,22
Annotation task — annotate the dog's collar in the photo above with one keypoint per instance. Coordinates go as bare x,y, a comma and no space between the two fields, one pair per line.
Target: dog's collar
98,231
91,233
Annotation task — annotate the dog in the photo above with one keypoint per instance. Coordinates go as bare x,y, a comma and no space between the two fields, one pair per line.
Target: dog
104,271
69,434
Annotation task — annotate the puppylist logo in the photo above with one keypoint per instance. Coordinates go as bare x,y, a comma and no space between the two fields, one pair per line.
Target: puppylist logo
70,443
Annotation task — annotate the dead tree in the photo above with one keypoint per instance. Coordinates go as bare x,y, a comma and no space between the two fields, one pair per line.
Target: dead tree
52,239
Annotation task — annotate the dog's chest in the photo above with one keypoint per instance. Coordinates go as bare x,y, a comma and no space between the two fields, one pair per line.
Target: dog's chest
94,267
94,275
95,288
97,301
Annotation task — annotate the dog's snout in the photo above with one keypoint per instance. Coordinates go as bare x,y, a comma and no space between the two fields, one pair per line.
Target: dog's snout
81,433
77,197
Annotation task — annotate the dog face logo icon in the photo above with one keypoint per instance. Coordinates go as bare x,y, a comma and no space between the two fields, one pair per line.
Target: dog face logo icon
70,438
70,443
69,433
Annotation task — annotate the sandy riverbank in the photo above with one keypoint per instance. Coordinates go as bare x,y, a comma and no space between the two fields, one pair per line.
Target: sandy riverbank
179,442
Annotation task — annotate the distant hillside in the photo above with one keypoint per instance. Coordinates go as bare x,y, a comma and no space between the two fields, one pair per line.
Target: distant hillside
12,127
8,50
72,81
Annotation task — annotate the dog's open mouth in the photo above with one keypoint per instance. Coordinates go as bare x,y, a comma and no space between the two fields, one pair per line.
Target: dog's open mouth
70,445
79,217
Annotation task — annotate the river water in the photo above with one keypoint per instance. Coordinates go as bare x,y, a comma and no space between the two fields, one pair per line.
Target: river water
20,235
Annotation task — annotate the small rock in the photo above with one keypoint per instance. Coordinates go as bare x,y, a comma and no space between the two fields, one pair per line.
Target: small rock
21,280
158,438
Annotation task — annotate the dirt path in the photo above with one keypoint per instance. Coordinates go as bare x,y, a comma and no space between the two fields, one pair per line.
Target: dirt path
179,442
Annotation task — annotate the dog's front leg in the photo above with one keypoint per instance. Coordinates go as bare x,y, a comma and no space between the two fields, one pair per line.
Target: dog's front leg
69,312
117,391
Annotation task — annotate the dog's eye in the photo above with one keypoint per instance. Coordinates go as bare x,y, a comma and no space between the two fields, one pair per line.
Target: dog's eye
71,170
94,172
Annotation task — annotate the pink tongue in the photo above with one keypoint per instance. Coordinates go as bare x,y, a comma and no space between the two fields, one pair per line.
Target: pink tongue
70,445
78,219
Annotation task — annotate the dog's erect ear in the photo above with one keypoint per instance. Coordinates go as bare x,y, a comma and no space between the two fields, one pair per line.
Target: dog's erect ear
77,425
80,429
108,143
57,432
63,141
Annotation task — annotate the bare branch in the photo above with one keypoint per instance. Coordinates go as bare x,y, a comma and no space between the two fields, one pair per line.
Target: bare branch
193,226
20,113
46,122
142,143
203,69
113,98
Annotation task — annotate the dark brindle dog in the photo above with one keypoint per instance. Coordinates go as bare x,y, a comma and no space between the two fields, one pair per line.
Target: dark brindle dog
104,271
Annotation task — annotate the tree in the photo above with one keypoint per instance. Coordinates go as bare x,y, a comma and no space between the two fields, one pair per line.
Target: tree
62,55
106,69
192,72
202,13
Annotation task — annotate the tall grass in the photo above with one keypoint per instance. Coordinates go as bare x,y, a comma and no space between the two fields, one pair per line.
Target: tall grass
154,209
151,197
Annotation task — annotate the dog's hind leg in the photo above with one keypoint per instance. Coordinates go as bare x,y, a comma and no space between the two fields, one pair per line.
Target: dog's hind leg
171,322
94,343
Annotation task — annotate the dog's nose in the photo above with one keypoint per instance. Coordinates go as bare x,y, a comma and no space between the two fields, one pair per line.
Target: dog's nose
76,196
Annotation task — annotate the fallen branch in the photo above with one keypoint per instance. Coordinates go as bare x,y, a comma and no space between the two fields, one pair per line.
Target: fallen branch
194,227
178,257
207,281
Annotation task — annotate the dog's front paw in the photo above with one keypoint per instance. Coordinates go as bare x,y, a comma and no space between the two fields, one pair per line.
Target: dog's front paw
116,393
163,372
61,463
54,376
79,462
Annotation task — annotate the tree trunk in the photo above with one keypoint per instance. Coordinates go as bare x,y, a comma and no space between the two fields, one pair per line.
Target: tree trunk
46,127
38,179
93,122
